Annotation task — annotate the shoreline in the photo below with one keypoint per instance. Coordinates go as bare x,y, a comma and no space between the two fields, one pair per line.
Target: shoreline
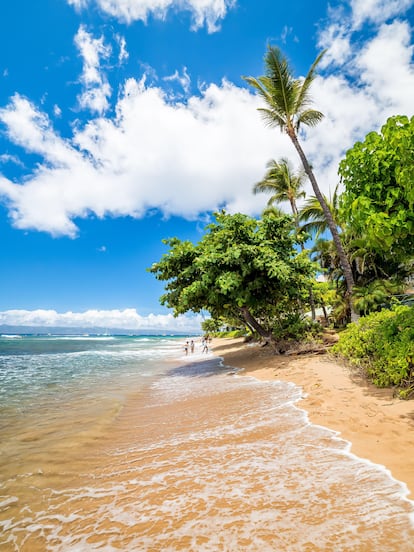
378,426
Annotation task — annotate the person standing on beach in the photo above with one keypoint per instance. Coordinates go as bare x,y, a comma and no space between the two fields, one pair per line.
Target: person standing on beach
192,346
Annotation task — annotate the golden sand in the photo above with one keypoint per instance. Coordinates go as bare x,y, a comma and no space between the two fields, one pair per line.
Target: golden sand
201,461
379,426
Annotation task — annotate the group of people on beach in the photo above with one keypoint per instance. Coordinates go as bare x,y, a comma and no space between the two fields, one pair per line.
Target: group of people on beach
190,345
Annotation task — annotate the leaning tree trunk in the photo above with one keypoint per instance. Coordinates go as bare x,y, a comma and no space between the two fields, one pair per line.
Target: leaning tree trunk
247,325
345,265
253,323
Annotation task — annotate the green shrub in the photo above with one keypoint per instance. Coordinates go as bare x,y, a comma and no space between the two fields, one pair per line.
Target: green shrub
294,327
383,344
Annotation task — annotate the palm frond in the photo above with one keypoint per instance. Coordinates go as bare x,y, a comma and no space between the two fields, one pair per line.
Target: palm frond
272,118
287,98
310,117
272,210
316,227
264,187
303,97
284,90
283,183
313,216
260,86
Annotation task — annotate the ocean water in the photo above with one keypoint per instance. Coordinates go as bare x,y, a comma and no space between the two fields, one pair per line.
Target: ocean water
126,444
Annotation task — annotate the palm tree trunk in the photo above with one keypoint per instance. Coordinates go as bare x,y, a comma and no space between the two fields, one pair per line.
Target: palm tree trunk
346,267
294,211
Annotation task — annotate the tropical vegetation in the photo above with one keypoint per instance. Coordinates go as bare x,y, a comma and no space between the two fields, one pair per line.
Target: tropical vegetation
287,102
242,269
283,184
378,201
257,277
382,344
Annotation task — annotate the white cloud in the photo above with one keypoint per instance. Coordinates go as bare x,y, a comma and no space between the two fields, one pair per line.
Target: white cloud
183,80
386,69
204,12
377,11
7,158
369,81
336,40
182,158
96,87
128,319
189,157
123,53
349,114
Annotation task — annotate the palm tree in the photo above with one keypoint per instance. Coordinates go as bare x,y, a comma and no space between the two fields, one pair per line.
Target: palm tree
283,184
288,102
324,252
375,295
272,210
313,218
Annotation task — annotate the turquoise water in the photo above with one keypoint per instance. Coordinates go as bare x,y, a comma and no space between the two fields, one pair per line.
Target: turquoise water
125,443
35,367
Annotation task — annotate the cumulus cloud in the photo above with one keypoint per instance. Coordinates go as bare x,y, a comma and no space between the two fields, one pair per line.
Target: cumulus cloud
386,68
128,319
336,40
32,130
96,87
180,158
188,157
204,12
377,11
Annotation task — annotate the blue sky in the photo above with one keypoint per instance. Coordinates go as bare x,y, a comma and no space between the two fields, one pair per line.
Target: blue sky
125,122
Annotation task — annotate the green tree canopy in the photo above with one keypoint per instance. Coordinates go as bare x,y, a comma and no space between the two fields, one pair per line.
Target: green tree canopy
242,267
378,201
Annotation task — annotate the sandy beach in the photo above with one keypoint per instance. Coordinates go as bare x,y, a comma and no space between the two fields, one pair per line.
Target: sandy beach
150,449
379,426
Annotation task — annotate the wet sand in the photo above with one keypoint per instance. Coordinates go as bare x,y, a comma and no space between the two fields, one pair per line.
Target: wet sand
379,426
